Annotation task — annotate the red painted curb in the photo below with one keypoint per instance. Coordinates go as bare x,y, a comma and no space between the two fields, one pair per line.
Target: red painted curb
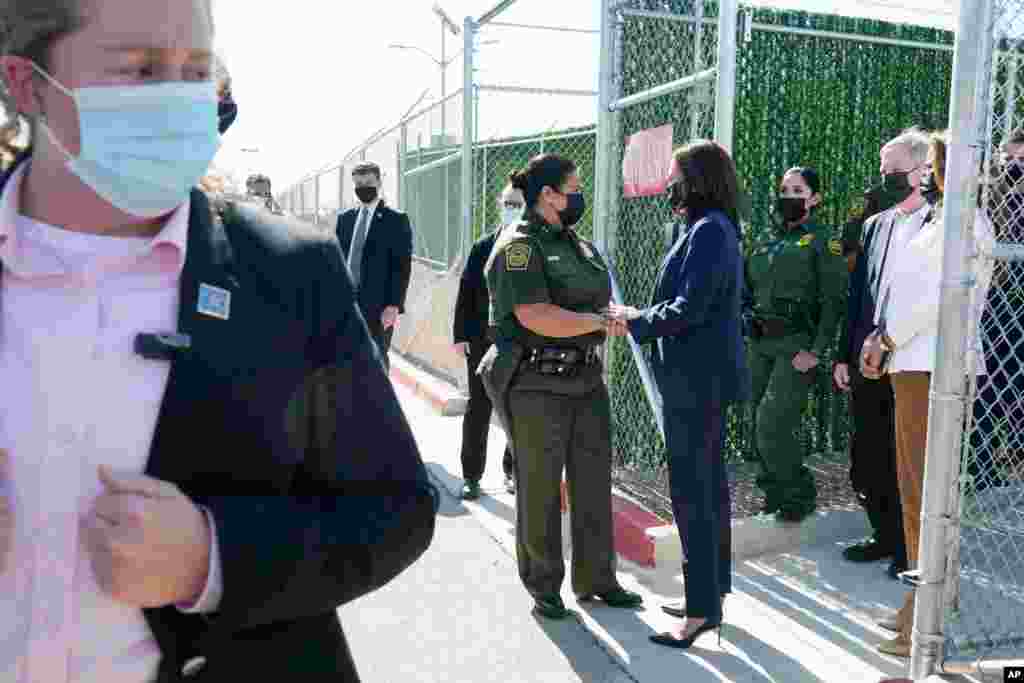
429,389
630,523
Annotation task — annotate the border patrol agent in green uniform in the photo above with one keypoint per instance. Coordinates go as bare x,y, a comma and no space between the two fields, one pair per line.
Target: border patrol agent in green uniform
798,283
547,289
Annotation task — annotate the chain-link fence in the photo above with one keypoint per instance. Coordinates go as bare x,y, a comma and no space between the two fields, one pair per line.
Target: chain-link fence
420,173
654,48
985,594
814,90
495,160
510,119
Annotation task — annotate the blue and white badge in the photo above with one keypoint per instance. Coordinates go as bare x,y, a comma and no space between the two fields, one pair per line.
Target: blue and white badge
214,301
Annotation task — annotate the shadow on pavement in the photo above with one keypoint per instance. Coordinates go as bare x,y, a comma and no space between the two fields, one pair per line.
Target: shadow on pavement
452,486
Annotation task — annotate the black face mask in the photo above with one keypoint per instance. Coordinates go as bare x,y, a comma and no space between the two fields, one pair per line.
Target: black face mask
930,189
366,194
791,209
897,186
227,112
575,206
676,193
877,200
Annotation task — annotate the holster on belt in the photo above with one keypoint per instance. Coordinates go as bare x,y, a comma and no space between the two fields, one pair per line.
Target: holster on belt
770,328
559,362
497,369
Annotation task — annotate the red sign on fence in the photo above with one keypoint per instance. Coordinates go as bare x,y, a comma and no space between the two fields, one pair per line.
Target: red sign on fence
647,162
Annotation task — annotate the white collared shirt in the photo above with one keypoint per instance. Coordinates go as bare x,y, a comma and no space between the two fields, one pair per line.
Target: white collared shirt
912,317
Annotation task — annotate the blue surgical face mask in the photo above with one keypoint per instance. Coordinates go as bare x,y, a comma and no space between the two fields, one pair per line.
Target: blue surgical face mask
143,147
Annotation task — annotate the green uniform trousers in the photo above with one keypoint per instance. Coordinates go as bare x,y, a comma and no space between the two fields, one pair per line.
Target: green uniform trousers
780,396
552,431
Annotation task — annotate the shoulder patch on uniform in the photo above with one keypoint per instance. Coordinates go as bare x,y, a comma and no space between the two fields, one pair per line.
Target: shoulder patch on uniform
806,239
517,256
835,247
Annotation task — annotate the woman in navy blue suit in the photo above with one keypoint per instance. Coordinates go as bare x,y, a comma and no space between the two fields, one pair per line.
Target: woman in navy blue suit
700,364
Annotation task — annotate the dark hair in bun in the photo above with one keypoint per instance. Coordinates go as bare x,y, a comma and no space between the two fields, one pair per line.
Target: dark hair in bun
545,170
809,175
517,179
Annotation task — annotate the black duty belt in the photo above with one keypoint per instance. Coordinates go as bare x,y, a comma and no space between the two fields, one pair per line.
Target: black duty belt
560,361
773,328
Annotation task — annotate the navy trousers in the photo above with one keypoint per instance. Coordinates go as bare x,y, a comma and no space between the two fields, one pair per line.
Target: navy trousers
694,438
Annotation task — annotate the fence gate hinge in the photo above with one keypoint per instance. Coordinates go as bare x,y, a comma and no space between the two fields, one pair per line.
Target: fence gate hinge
746,21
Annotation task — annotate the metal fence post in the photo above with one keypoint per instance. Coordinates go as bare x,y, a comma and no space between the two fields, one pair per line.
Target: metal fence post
468,99
946,409
698,64
725,91
316,199
604,171
341,188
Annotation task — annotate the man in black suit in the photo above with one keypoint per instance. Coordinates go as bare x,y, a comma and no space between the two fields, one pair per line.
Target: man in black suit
472,338
376,241
874,464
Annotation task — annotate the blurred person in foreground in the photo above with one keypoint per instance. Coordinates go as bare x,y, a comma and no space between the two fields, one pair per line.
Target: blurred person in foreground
201,457
376,241
873,437
700,365
544,375
903,344
472,335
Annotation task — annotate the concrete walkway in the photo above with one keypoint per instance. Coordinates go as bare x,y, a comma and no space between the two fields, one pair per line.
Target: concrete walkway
460,614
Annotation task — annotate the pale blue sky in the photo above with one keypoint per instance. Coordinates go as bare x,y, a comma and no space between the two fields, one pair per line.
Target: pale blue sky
313,78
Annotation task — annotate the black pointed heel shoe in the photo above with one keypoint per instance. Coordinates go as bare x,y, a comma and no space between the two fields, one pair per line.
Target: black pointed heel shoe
670,640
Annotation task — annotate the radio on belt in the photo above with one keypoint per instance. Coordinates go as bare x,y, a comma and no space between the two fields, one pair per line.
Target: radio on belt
162,345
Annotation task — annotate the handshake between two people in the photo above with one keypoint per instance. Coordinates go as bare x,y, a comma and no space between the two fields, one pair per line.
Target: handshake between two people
617,317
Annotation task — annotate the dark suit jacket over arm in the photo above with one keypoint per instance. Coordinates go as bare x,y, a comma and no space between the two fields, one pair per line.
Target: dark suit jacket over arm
283,424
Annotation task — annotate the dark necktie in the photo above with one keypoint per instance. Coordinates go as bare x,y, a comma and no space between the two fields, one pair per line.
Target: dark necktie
355,252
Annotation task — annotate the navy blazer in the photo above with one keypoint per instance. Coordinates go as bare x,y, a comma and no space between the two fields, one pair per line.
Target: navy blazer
281,421
695,316
472,307
387,260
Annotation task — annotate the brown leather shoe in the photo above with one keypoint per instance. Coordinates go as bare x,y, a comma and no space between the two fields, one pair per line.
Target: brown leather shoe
891,623
897,647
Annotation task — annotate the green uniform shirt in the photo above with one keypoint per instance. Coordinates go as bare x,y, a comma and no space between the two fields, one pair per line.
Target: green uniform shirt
535,263
801,277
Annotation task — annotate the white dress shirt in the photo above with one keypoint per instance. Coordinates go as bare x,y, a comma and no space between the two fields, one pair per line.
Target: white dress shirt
912,316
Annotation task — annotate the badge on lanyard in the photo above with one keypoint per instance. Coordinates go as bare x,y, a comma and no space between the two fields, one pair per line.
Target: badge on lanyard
214,301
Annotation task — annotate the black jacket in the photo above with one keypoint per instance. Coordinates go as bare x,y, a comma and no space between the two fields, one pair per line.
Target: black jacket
472,307
281,422
387,260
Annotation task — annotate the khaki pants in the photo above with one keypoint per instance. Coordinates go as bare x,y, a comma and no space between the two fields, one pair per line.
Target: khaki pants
911,402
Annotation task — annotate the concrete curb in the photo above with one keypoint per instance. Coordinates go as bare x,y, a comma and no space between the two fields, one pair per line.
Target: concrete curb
641,536
445,398
764,535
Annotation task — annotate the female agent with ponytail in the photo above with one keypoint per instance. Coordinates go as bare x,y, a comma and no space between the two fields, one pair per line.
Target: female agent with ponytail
186,396
548,287
798,281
